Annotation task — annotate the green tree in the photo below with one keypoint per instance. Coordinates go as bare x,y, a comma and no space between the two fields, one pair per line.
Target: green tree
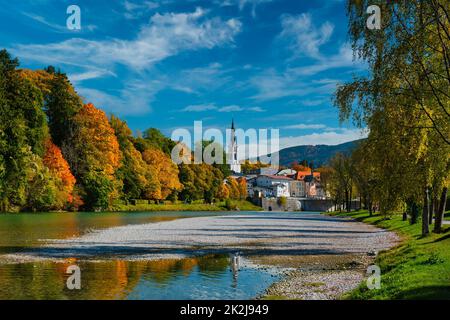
404,98
153,138
342,178
23,131
61,104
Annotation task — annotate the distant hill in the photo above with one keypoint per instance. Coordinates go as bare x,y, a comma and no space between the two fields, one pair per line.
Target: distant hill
319,154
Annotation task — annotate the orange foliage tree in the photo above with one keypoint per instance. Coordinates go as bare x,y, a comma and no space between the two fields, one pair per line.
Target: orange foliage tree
224,192
54,160
242,183
94,156
165,170
234,188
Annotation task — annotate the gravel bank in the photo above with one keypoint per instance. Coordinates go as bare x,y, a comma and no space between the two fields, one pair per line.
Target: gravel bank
327,256
252,234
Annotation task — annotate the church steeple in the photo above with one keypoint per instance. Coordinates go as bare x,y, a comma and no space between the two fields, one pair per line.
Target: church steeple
235,166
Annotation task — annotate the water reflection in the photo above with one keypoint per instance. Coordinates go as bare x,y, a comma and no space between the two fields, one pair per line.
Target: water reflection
25,230
207,277
234,265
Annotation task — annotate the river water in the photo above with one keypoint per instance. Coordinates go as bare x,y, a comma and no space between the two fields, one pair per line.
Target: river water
200,277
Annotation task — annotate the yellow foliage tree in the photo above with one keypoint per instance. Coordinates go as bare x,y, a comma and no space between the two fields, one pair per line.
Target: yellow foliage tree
165,170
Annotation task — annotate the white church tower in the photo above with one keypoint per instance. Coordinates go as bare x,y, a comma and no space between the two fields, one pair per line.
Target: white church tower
235,166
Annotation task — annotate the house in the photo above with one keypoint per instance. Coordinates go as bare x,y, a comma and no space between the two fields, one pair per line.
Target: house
267,180
251,184
273,186
280,190
310,182
297,189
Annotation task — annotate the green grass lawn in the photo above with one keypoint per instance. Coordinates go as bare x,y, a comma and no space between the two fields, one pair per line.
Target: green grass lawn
419,268
219,206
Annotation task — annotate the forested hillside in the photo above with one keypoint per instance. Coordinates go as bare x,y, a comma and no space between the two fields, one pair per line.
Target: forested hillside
58,152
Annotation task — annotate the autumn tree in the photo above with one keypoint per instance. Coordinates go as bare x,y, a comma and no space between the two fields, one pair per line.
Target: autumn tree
365,174
403,99
325,178
93,153
242,182
249,166
342,179
300,167
224,192
233,185
54,160
134,172
166,172
200,181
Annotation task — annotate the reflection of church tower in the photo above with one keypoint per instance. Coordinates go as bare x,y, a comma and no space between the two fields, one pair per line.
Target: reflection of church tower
235,166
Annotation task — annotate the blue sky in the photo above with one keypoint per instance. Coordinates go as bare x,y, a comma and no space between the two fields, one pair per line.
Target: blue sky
167,63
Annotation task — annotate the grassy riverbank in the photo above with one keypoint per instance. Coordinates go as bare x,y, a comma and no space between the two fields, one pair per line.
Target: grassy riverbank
242,205
418,268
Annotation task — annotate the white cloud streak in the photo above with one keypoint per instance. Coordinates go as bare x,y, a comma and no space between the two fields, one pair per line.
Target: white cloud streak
165,36
303,36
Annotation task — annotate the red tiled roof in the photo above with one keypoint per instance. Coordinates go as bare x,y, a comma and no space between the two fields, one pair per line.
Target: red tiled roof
302,174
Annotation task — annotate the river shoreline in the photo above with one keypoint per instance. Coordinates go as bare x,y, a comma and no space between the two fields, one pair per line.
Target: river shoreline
235,205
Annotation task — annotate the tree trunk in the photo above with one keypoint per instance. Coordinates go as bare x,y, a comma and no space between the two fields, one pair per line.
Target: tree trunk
350,200
414,213
405,215
440,211
432,210
425,213
360,202
346,201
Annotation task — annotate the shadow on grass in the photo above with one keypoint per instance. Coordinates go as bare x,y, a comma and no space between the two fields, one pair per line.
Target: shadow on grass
426,293
442,238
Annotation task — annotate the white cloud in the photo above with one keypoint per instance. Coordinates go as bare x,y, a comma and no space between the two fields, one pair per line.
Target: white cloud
271,84
144,5
223,109
199,108
305,39
243,3
256,109
343,59
56,27
165,36
232,108
303,126
90,74
195,80
314,102
134,99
